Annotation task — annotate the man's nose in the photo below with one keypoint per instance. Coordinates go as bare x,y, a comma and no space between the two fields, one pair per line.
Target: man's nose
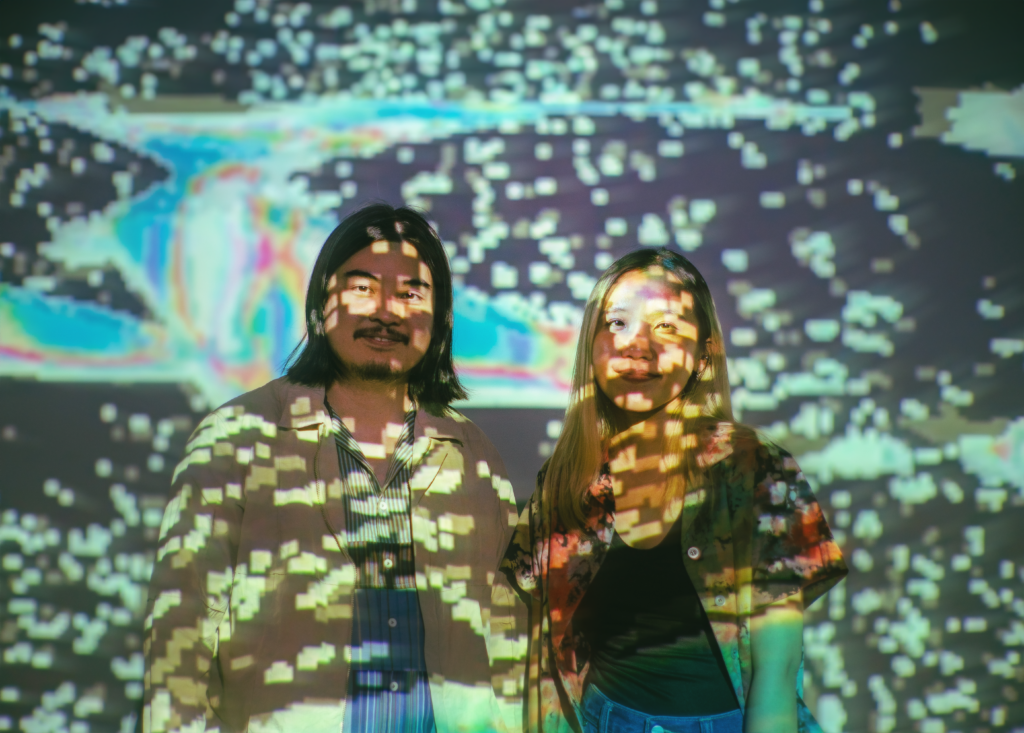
390,310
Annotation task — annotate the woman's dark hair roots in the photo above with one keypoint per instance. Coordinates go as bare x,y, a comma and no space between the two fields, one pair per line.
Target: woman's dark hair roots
433,382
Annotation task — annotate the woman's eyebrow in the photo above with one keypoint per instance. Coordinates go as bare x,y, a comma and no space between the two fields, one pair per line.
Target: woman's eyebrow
415,282
663,313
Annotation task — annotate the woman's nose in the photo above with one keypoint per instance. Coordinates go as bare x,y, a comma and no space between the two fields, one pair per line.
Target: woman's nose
634,343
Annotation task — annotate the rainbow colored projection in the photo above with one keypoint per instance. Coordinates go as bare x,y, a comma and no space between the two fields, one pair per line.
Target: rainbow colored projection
220,252
846,175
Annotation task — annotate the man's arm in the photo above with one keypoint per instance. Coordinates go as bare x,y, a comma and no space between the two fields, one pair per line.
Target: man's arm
776,645
509,616
191,586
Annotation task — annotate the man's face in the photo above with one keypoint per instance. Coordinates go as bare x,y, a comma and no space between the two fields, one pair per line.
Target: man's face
380,310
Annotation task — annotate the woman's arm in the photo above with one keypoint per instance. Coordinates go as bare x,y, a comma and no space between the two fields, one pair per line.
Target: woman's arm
776,647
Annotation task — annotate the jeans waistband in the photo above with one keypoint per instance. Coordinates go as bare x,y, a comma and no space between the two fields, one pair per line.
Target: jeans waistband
607,716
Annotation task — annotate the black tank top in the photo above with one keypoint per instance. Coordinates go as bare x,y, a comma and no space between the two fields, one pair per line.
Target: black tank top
651,646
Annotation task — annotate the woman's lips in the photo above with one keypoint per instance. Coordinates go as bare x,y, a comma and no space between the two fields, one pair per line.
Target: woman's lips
636,375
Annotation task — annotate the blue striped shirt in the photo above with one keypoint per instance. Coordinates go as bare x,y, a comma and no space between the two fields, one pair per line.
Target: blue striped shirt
388,689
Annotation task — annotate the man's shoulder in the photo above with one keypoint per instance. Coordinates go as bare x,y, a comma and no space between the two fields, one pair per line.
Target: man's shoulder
278,401
451,424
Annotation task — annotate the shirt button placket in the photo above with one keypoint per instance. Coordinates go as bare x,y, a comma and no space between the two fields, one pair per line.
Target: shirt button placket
693,553
392,624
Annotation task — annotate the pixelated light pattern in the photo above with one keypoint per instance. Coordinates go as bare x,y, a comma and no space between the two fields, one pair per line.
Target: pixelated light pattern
292,580
221,252
987,121
166,197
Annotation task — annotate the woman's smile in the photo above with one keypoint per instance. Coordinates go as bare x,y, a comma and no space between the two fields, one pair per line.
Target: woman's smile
637,375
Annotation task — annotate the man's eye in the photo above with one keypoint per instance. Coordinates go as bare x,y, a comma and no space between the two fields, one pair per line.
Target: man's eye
412,295
615,323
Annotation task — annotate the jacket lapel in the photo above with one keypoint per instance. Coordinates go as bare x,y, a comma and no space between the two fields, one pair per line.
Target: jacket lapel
437,459
574,557
302,413
719,584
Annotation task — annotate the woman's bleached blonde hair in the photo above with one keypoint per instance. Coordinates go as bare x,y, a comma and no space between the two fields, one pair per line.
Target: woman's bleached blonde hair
589,425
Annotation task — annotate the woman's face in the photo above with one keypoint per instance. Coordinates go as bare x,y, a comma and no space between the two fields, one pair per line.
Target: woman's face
646,346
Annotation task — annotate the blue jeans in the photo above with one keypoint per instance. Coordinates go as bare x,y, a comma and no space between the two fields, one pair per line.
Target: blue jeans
601,715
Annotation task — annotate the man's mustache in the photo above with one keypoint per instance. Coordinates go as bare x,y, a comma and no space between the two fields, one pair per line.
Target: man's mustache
380,332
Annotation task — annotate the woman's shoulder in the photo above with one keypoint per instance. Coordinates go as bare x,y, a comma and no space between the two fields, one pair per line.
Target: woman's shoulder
542,473
735,447
719,440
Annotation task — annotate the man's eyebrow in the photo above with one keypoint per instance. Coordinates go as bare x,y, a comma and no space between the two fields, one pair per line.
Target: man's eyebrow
415,282
362,273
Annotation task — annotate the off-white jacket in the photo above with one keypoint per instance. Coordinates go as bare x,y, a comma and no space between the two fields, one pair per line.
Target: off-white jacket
249,618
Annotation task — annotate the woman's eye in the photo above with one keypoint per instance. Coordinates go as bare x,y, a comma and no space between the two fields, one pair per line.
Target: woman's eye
615,324
411,295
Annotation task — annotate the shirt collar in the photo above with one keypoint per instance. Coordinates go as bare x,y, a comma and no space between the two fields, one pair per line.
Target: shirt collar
302,408
347,441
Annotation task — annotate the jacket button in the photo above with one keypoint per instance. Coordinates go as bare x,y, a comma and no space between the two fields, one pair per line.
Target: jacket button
389,563
719,600
394,622
393,687
693,553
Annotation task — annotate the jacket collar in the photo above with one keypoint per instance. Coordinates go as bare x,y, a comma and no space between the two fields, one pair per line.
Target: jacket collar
302,408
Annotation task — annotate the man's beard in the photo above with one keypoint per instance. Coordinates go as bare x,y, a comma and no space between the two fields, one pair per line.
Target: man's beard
374,371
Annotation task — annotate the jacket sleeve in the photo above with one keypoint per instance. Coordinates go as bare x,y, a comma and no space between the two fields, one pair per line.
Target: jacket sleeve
509,617
793,548
543,711
188,606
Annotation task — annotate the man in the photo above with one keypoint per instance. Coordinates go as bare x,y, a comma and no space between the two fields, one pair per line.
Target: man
329,558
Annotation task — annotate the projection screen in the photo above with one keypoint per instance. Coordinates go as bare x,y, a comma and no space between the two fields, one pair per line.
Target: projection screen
847,175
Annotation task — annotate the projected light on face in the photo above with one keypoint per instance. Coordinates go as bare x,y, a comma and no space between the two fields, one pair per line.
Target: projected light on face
379,312
647,346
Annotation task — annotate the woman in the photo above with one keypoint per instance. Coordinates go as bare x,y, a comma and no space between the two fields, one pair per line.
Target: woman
667,554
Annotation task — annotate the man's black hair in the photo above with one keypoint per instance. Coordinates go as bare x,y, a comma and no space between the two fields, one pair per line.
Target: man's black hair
432,382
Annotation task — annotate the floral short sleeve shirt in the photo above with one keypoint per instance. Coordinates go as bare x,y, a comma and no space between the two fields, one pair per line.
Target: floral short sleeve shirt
753,535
